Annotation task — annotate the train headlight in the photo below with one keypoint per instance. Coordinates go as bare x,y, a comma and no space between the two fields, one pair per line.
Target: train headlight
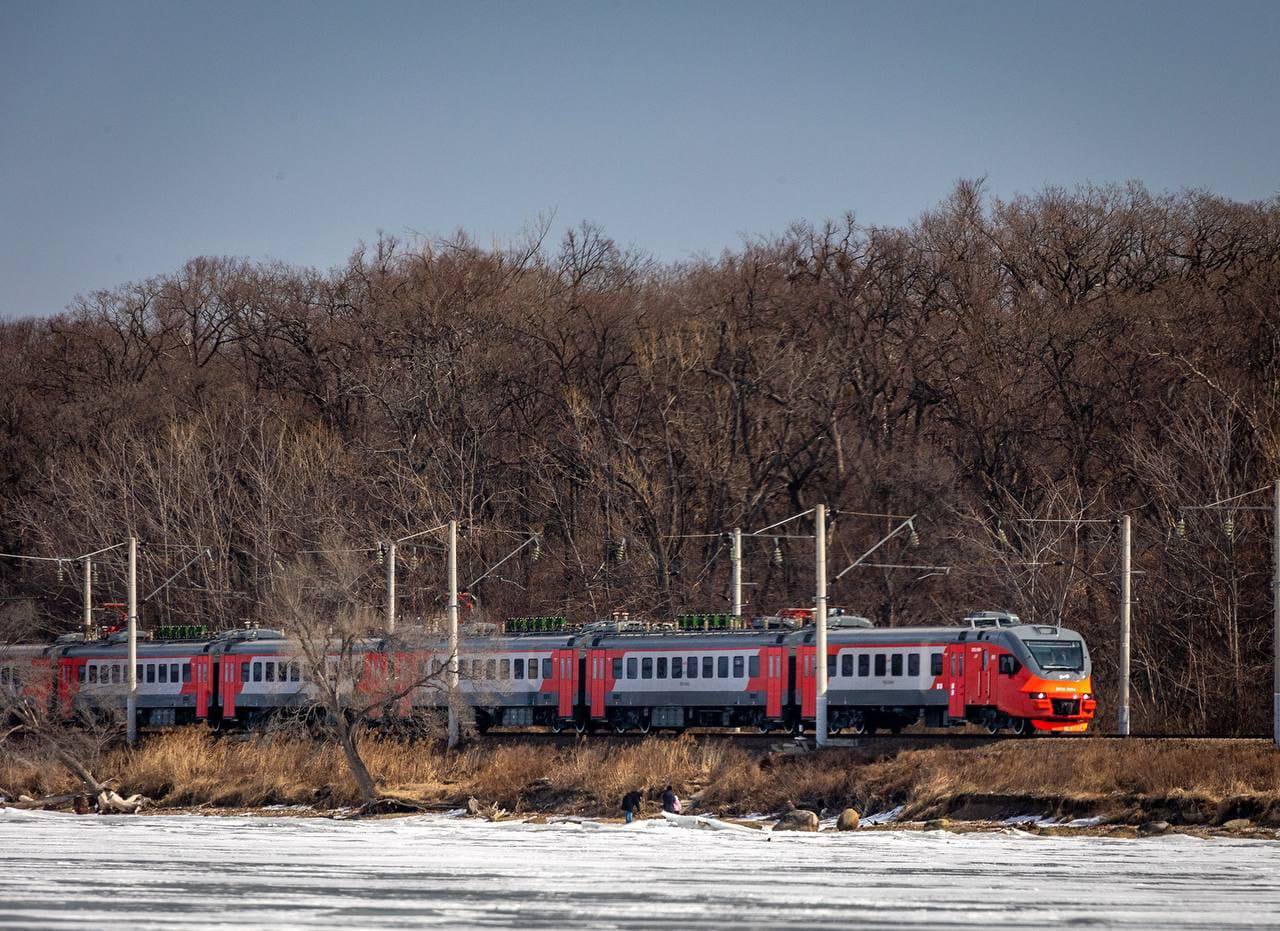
1038,696
1085,697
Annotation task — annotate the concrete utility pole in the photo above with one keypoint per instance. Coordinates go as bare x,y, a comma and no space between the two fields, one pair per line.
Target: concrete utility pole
88,598
451,677
1275,615
736,560
820,618
1126,602
131,703
391,587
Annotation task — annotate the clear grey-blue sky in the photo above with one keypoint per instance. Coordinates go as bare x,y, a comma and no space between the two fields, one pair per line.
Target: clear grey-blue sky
136,135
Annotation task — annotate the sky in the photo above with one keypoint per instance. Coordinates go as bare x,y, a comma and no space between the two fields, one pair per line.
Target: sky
134,136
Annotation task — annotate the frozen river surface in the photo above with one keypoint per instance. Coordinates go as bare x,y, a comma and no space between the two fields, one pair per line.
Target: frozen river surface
63,871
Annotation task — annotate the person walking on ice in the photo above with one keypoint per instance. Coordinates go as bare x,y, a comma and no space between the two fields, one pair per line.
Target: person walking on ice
631,804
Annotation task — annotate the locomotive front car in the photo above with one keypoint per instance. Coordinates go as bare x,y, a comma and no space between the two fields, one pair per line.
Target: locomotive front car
1029,678
1020,678
676,680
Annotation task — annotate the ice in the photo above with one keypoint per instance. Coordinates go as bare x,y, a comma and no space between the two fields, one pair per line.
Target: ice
883,817
118,872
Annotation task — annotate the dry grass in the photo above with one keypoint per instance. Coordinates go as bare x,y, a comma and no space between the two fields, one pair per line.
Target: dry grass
191,767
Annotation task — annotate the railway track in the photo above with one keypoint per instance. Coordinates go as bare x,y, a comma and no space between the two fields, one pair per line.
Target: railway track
787,743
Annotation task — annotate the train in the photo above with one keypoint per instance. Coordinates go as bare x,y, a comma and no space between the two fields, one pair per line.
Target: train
993,671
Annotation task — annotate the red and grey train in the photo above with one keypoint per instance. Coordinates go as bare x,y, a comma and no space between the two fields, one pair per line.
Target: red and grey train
994,671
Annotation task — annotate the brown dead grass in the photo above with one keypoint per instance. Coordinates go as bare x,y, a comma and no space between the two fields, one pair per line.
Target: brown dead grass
192,767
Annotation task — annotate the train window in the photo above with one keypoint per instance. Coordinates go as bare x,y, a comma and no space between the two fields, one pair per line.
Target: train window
722,667
186,672
173,672
504,669
662,667
617,669
295,672
935,664
881,664
677,667
985,656
895,666
739,665
913,664
1008,665
831,665
708,667
491,669
631,668
546,668
477,668
517,669
93,674
115,673
271,671
164,672
80,674
257,672
753,666
691,668
244,672
846,664
646,667
532,666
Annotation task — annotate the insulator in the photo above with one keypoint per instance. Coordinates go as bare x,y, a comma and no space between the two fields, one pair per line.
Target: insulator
61,571
1229,526
381,553
535,549
1002,538
1180,527
915,538
776,558
622,548
93,573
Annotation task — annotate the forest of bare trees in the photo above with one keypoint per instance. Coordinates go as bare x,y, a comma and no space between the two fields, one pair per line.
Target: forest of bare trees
1071,354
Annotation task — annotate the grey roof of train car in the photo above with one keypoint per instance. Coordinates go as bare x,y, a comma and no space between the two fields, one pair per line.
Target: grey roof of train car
946,634
675,639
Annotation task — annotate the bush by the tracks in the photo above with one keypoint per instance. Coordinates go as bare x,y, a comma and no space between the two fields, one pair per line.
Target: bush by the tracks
1179,781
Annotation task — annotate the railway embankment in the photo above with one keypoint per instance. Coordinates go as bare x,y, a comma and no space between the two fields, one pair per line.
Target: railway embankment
1193,783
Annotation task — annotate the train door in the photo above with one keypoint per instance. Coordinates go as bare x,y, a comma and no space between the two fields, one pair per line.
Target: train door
805,683
597,669
977,675
230,685
775,682
955,680
565,668
200,673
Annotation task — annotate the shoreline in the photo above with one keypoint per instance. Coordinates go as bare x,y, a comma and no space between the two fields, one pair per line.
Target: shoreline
1102,787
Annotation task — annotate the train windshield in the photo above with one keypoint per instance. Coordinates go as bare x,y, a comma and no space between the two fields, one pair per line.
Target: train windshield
1057,654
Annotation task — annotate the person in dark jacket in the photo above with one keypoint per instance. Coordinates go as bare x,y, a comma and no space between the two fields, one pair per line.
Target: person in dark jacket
631,804
670,801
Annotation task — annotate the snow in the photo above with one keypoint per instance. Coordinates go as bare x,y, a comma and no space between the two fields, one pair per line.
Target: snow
115,872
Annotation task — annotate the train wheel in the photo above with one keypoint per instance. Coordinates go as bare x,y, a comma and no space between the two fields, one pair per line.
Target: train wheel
858,727
644,726
620,728
993,729
1020,727
557,726
580,726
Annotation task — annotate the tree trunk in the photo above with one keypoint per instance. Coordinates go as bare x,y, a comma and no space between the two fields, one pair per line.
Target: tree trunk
359,772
